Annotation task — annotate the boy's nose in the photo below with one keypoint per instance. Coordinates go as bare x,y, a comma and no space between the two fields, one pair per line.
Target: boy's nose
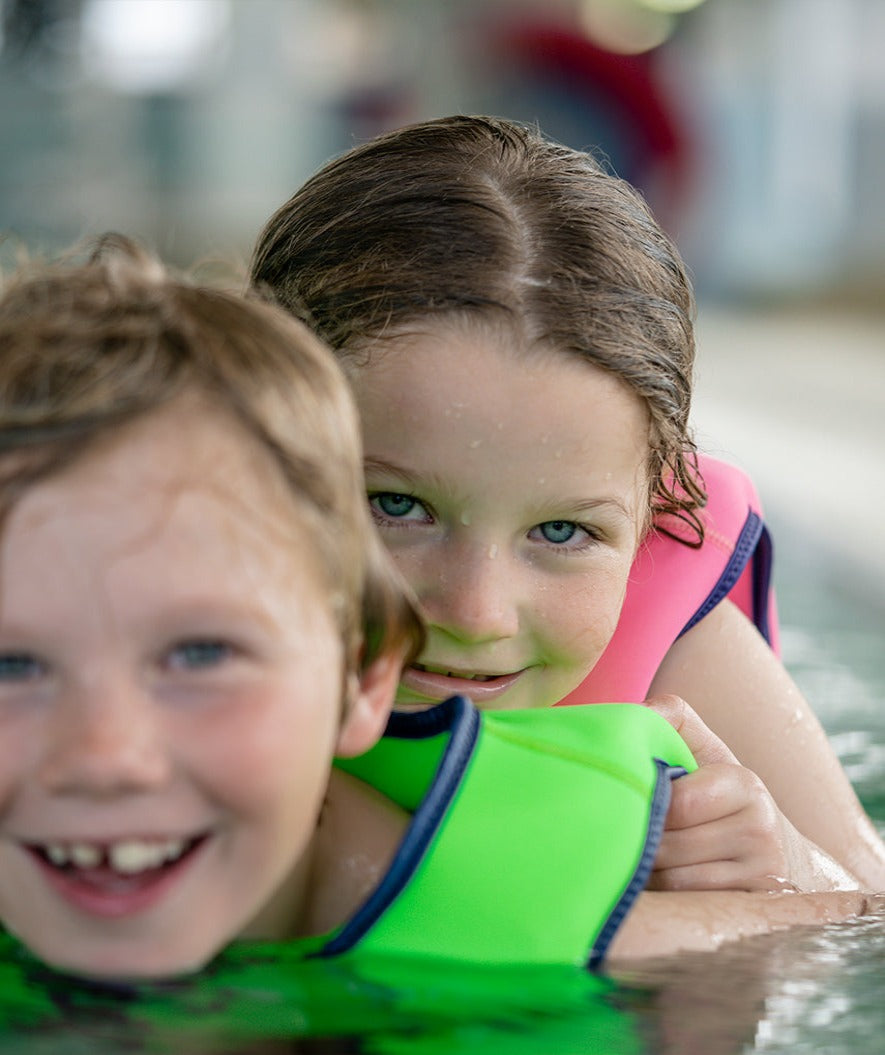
104,741
473,595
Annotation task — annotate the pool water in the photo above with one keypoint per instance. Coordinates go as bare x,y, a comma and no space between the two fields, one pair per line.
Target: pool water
807,990
834,645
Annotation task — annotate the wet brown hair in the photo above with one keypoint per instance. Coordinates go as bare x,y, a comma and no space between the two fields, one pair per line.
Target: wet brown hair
89,345
484,216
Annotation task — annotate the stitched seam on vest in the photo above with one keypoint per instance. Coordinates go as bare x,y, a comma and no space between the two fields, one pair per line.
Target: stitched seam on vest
421,831
581,758
660,803
746,544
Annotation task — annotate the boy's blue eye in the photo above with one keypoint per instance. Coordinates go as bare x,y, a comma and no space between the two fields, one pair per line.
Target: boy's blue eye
397,506
558,531
196,655
19,666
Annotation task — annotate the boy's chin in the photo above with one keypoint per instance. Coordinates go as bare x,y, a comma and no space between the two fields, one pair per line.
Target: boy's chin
120,968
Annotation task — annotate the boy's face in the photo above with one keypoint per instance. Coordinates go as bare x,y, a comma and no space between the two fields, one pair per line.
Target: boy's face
511,488
170,694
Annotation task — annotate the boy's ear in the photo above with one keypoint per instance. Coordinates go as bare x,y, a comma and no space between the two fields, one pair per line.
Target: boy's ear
369,700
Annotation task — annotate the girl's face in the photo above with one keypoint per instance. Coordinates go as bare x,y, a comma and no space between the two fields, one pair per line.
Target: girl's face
170,696
511,487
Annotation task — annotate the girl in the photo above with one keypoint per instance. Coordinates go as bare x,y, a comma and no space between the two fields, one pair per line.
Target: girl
518,332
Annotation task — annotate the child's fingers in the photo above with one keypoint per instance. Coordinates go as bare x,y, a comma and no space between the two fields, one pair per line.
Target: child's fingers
736,837
714,792
703,743
726,853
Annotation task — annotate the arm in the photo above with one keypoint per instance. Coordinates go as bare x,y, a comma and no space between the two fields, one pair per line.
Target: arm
724,830
357,835
665,922
796,795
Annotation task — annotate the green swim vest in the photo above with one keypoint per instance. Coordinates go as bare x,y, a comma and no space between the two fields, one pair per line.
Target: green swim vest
532,832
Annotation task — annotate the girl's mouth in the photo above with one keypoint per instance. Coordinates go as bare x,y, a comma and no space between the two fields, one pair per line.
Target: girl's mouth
438,683
118,878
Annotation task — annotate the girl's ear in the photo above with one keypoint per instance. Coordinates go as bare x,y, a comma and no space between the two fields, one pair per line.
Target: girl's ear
369,700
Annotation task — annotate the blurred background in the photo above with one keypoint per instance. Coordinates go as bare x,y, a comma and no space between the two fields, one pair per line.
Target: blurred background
756,129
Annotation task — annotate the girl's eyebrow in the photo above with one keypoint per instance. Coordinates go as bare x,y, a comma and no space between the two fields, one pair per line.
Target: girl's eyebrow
379,465
409,479
591,505
576,506
427,484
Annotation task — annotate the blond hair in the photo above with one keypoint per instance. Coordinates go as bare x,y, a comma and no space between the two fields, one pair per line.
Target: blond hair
87,346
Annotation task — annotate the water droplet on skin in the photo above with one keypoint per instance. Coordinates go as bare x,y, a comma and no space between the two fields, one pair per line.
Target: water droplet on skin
475,443
493,551
465,519
542,480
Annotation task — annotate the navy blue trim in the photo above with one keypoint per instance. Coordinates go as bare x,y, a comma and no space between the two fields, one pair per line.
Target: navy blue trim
461,719
763,561
418,725
660,803
747,542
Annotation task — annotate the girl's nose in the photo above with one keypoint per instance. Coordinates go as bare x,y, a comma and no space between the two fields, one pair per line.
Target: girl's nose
105,740
473,595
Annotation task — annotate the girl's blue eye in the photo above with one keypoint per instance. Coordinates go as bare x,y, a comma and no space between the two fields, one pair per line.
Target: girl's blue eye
19,666
558,531
397,506
197,655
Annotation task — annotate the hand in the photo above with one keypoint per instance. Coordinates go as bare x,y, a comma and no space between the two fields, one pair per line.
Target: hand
724,831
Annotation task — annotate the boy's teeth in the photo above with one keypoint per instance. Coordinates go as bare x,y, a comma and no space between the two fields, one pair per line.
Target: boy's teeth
85,855
128,857
134,856
57,853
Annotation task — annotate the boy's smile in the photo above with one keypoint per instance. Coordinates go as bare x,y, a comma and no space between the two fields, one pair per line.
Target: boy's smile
510,485
170,699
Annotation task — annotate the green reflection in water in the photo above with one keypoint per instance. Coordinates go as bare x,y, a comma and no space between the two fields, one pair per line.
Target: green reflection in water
258,999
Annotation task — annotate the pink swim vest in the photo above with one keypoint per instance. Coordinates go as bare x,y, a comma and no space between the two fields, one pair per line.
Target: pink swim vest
673,586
